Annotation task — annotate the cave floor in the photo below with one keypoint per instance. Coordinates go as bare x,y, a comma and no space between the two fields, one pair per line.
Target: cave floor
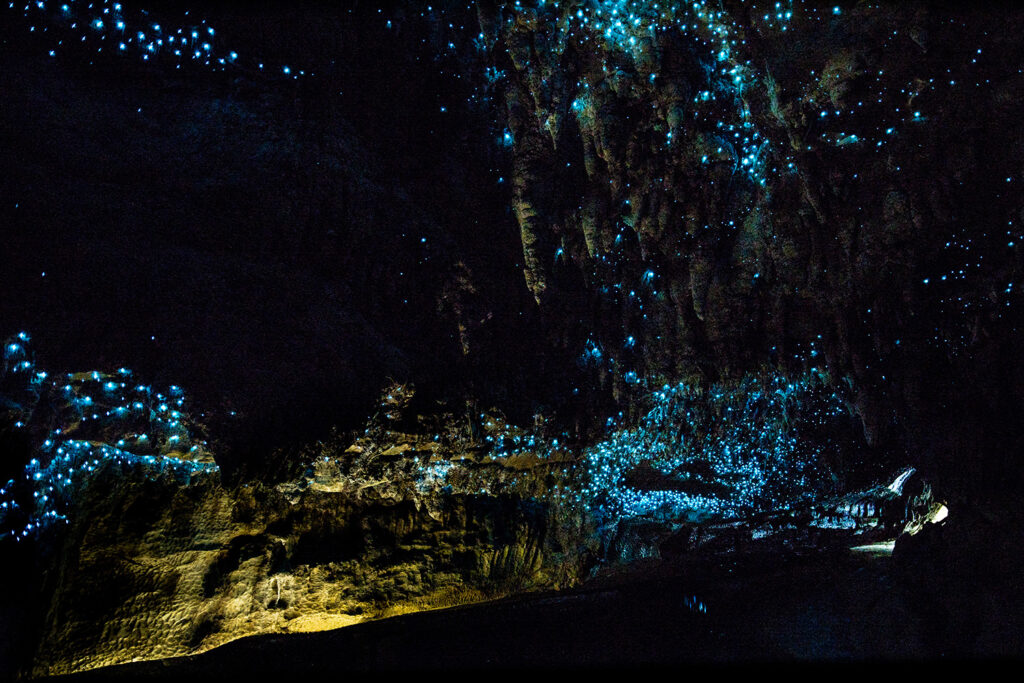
753,607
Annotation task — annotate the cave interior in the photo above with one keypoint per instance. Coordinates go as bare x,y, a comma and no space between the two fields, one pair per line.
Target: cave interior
508,333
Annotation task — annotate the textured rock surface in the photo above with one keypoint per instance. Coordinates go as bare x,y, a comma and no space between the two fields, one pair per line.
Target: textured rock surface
167,570
150,568
768,611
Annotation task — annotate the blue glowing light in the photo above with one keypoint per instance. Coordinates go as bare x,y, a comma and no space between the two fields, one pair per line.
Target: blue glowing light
63,462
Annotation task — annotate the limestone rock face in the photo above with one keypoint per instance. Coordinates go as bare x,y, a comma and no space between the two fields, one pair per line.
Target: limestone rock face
150,568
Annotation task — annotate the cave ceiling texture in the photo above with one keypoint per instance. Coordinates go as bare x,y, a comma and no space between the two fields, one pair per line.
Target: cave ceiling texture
642,333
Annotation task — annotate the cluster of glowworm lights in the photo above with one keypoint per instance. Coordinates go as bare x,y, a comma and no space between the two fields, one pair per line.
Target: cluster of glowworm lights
607,27
972,255
81,423
610,27
109,27
722,451
717,453
841,105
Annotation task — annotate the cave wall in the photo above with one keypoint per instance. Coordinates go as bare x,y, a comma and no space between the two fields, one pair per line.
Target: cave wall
704,191
149,567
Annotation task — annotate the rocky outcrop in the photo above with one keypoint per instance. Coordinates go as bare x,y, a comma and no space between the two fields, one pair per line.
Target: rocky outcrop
148,568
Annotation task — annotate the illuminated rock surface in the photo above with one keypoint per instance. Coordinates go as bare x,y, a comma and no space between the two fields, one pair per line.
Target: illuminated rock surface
172,571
